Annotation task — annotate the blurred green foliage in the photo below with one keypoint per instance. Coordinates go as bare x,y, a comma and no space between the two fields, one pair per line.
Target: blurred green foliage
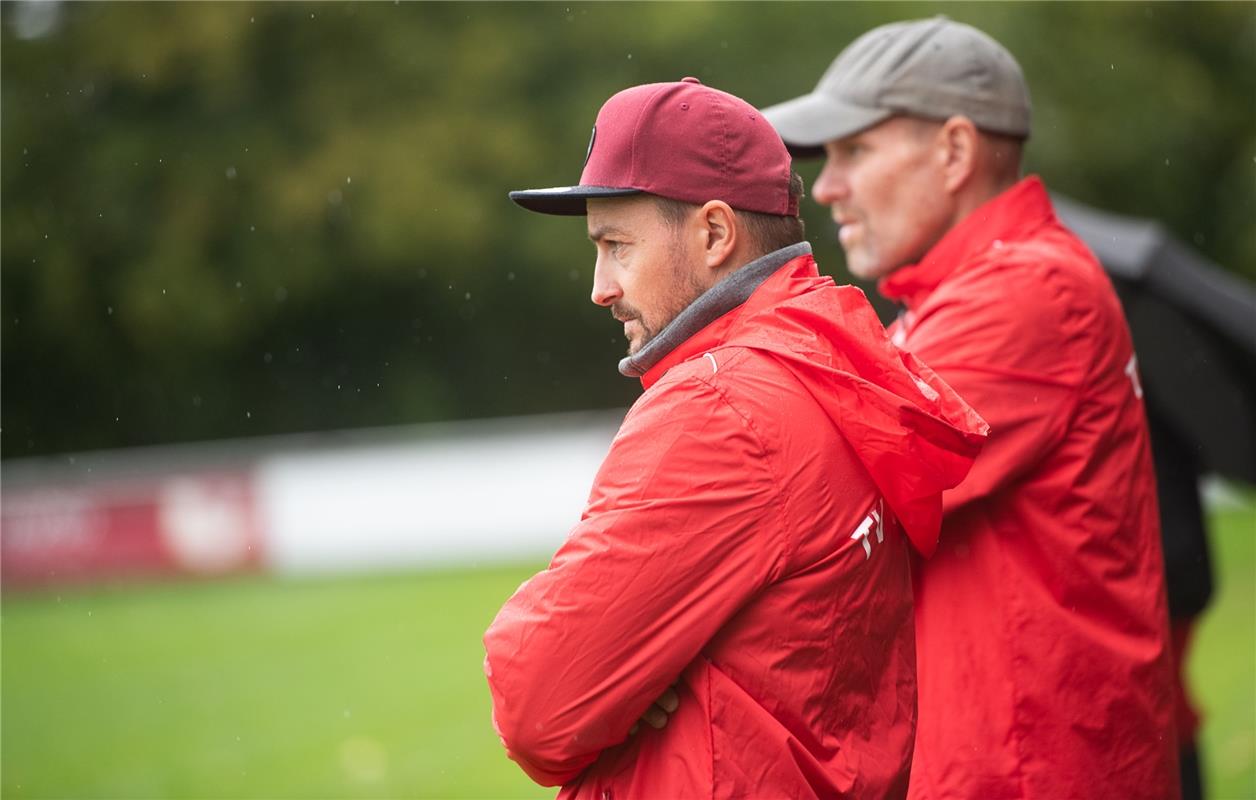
226,219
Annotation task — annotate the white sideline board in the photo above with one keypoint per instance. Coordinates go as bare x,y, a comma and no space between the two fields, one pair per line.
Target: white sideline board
508,490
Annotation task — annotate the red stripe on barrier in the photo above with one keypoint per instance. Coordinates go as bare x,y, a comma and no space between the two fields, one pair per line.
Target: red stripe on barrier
203,524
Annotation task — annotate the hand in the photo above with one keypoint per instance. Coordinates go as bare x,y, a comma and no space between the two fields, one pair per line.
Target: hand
656,715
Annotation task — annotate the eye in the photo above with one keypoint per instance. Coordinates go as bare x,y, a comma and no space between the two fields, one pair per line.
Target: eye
615,247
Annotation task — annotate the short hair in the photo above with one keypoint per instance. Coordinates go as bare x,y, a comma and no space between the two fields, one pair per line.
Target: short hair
768,232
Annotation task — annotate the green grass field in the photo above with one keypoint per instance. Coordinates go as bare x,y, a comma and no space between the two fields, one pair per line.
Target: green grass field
369,687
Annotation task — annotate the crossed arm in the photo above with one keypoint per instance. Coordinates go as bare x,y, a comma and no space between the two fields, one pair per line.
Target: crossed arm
674,540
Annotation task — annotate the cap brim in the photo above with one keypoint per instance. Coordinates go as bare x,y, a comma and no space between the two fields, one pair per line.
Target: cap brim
806,123
567,201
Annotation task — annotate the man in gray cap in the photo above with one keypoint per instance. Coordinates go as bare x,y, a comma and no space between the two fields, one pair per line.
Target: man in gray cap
1042,636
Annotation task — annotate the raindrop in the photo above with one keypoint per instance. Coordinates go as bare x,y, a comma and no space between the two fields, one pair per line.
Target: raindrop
466,296
109,310
248,415
349,179
267,358
231,173
630,56
510,276
239,285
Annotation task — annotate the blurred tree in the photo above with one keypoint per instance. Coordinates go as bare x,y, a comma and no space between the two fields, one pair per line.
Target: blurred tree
226,219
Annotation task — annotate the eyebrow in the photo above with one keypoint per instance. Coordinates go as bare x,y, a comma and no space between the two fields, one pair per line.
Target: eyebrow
601,232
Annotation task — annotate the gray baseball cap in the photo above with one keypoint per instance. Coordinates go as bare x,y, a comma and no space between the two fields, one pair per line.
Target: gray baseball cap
930,68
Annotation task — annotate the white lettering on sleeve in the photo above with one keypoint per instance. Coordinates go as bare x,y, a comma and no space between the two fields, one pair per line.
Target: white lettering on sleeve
1131,370
865,528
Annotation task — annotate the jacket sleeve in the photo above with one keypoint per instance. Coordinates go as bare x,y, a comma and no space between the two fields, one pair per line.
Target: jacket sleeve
1019,360
680,530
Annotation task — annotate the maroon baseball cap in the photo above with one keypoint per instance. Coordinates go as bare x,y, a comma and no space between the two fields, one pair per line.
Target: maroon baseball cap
683,141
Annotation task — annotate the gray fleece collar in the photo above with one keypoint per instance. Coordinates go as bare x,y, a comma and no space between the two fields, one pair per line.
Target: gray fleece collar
710,306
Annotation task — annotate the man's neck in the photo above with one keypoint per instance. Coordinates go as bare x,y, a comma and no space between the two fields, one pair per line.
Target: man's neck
977,194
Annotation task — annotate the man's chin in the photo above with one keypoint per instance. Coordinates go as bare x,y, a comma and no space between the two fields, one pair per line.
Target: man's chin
865,269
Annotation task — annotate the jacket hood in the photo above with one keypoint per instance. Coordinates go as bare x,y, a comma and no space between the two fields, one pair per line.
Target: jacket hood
912,432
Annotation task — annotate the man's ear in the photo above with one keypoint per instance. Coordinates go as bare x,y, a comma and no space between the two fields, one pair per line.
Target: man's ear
959,141
719,233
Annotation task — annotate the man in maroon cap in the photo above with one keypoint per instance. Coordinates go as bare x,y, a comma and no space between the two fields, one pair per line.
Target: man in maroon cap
746,540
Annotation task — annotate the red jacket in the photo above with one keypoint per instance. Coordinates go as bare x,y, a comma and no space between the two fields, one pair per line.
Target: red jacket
740,542
1042,631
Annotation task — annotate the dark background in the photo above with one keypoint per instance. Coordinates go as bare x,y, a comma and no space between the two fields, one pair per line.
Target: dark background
225,220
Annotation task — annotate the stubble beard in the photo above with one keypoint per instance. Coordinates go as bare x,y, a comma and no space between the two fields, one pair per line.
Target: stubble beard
684,290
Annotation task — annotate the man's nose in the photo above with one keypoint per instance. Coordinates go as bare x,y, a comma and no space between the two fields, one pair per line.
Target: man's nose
605,289
830,186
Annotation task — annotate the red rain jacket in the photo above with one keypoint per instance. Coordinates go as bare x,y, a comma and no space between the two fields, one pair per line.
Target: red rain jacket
1041,625
740,542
